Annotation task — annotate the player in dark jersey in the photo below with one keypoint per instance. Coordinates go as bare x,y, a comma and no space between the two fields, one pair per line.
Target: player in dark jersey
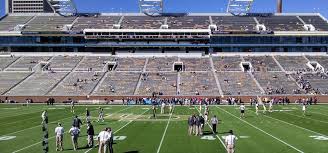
88,115
77,122
154,110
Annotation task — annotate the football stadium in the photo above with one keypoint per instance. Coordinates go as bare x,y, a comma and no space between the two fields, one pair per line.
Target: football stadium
162,82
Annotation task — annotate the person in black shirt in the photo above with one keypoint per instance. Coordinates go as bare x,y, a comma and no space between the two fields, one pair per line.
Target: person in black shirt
77,122
91,133
87,114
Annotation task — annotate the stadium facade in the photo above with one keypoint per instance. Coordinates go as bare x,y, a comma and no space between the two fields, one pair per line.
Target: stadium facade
134,32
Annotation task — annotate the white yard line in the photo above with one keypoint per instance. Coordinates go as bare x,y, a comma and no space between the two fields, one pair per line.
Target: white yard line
54,136
262,131
296,126
212,130
121,128
164,133
305,117
318,113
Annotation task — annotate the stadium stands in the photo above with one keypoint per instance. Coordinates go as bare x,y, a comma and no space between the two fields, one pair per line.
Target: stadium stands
193,83
234,23
163,83
77,83
237,83
322,60
10,79
227,63
196,64
48,23
262,63
130,64
293,63
282,23
26,63
142,22
316,21
95,22
64,63
161,64
118,83
275,83
93,63
39,84
10,22
188,22
5,62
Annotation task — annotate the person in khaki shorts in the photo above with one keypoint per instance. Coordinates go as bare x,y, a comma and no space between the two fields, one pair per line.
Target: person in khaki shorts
103,139
59,131
230,142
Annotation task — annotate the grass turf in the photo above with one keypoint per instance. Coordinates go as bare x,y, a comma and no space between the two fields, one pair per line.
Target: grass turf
285,130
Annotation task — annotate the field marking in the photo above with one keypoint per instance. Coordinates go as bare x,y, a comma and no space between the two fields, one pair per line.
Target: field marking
262,131
120,128
318,113
164,133
212,130
55,122
295,125
306,117
55,136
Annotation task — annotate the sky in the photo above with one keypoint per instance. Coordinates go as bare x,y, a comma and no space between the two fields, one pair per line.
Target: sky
197,6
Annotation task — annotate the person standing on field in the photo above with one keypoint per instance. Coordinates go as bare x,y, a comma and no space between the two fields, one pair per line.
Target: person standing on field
91,133
230,142
214,122
103,138
74,131
59,131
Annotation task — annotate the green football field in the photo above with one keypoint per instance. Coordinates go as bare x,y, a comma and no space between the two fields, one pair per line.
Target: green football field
285,130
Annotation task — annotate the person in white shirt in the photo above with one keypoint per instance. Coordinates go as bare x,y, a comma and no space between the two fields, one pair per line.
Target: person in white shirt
74,131
304,109
242,110
257,108
271,106
44,117
171,107
162,108
101,115
59,131
103,138
230,142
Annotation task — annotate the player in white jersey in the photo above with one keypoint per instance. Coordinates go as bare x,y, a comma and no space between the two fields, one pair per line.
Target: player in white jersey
59,131
230,142
304,109
242,110
171,107
257,108
270,106
101,115
206,117
200,106
163,108
264,108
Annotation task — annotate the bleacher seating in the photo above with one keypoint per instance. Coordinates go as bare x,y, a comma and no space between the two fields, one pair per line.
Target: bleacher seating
237,83
322,60
318,82
10,79
281,23
234,23
93,63
193,83
48,23
27,63
64,63
292,63
196,64
227,63
37,85
276,83
6,61
77,83
118,83
316,21
262,63
95,22
164,83
188,22
142,22
160,64
130,64
10,22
